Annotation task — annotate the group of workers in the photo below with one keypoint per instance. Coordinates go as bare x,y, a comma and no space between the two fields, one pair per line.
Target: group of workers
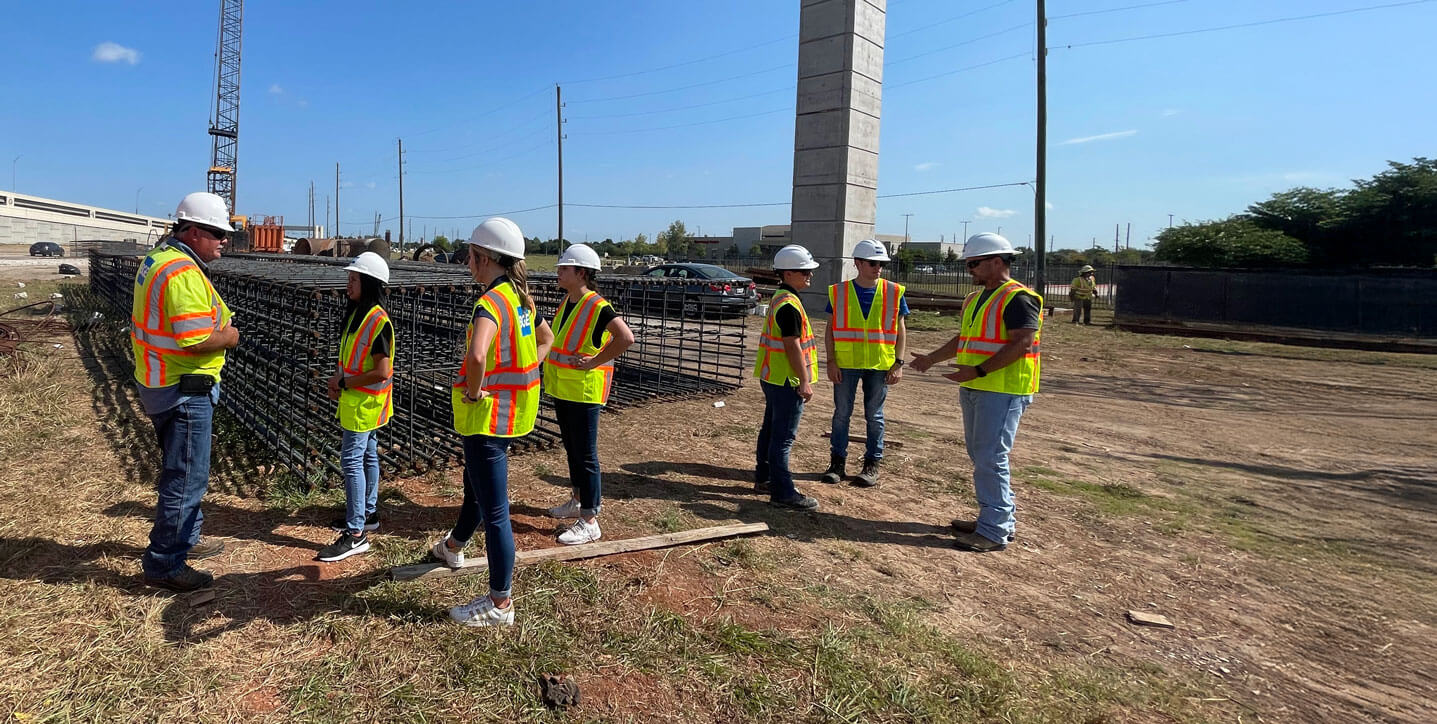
181,329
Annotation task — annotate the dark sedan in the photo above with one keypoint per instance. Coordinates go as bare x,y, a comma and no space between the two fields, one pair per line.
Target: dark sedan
708,290
46,248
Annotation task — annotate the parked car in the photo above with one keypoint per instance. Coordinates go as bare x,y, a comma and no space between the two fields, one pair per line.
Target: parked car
924,269
46,248
710,290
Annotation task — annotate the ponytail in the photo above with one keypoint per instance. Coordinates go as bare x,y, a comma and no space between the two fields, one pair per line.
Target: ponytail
518,275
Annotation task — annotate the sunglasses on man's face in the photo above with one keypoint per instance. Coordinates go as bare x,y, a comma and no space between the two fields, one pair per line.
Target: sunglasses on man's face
870,262
974,263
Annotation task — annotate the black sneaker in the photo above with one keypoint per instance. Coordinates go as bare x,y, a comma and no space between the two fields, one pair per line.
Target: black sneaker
206,548
184,580
341,525
345,546
797,502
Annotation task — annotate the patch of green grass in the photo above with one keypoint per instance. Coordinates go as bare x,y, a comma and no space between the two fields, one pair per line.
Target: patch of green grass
542,470
743,552
289,491
920,321
671,520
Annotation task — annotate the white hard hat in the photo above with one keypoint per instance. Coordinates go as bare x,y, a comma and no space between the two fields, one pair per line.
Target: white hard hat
499,235
202,207
870,249
370,264
793,258
1086,268
987,244
580,255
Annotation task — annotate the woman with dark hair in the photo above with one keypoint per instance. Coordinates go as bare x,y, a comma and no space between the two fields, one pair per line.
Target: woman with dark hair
495,399
578,373
362,385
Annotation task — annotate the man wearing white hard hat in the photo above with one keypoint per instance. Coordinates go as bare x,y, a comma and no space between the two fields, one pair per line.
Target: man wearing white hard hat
786,366
179,332
363,385
996,353
865,342
1081,293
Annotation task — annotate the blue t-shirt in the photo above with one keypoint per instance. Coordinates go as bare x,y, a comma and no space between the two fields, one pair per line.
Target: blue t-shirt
865,300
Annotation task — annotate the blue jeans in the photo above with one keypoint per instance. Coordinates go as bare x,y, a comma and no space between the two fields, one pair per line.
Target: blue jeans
359,457
782,410
990,422
875,391
579,426
486,500
184,436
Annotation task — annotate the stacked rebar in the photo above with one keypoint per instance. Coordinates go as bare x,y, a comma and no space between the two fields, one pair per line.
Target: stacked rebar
289,310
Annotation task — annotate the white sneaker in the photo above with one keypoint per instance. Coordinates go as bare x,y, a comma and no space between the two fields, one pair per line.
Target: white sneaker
582,531
450,557
570,509
482,612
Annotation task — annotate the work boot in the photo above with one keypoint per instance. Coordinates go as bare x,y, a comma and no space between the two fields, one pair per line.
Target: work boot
799,501
977,543
183,580
869,476
206,548
836,469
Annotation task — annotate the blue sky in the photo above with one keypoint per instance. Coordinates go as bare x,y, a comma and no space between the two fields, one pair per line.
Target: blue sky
104,101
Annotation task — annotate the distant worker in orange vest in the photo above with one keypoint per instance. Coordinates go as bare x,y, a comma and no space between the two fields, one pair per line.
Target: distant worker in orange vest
996,351
179,331
578,374
865,343
364,387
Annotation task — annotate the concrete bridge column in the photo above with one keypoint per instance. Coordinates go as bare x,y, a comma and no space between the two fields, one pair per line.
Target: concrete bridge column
835,148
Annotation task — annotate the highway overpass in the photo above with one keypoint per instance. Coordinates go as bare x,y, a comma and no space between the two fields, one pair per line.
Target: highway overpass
26,219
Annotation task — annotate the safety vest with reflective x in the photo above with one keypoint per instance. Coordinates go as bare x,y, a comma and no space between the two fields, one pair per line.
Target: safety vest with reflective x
365,407
984,333
511,372
574,338
865,342
175,307
772,364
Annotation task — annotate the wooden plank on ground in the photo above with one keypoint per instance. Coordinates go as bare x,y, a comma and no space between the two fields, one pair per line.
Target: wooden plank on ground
861,440
587,550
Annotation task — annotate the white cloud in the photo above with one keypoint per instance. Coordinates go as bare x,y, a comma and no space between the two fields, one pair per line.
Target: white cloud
926,166
1100,137
987,212
1170,112
276,89
369,185
1048,205
302,103
108,52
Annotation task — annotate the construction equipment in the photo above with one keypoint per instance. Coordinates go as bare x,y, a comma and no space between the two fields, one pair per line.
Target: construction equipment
224,125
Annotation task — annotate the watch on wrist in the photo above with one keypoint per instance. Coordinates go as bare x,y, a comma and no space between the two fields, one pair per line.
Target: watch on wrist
343,382
978,370
897,364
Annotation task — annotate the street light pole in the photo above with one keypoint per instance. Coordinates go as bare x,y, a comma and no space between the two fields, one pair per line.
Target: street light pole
137,198
965,230
13,161
905,228
1170,221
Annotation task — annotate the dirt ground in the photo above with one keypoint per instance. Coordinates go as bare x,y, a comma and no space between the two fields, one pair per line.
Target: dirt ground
1276,503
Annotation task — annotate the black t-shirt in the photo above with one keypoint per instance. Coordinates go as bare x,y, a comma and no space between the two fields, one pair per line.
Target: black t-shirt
1022,311
606,315
790,322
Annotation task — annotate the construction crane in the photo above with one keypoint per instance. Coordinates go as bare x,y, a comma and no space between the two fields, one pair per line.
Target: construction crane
224,126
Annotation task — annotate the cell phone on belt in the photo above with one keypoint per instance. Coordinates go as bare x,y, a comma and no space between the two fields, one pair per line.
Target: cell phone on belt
196,384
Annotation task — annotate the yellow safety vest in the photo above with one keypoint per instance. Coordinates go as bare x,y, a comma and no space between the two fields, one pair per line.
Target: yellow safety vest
1083,288
984,333
511,372
175,307
563,379
865,342
772,364
365,407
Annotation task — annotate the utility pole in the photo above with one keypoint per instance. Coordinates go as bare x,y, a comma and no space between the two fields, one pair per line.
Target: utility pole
559,130
401,196
1040,180
310,233
336,200
1116,229
1128,242
1170,221
328,229
905,228
965,231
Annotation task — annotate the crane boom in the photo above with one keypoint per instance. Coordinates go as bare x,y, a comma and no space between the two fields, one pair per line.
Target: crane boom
224,127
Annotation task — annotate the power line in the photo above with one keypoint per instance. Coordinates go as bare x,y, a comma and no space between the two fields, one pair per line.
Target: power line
786,203
489,112
682,64
526,123
1023,54
490,162
1115,10
787,88
949,191
507,144
945,21
495,213
970,41
1235,26
788,109
785,66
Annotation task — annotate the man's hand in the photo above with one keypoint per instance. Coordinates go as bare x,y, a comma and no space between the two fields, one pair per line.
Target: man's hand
334,385
472,399
231,336
895,374
586,363
964,373
921,362
805,391
835,375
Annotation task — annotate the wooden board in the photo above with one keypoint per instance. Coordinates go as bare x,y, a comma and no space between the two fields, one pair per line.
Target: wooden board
571,553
